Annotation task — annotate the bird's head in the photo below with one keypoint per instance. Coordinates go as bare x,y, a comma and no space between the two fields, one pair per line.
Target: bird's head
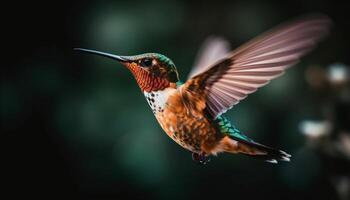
152,71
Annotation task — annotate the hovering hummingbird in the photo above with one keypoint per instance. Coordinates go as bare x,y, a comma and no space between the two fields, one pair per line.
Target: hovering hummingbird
191,113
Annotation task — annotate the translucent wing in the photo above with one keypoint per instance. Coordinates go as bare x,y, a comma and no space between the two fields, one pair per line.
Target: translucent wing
255,63
212,50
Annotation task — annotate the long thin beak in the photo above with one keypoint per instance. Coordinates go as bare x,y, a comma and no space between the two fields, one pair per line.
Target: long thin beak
108,55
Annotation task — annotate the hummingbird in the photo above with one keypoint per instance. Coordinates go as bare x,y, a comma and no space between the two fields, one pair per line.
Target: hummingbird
191,112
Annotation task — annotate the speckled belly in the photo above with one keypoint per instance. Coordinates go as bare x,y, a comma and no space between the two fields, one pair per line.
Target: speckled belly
189,128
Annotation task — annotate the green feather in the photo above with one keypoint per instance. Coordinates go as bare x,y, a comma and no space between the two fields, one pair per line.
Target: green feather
179,83
227,128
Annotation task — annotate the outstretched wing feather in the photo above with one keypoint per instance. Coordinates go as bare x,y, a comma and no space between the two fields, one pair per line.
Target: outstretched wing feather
257,62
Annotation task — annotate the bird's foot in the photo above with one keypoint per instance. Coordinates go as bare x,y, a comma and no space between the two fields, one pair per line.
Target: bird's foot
200,158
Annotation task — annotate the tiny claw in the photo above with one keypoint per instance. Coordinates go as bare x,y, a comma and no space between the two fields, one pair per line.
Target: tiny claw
201,159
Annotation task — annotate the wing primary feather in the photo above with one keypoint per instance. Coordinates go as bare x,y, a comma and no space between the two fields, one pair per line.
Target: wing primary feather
255,63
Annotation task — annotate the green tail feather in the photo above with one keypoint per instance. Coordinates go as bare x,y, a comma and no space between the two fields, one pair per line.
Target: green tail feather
272,155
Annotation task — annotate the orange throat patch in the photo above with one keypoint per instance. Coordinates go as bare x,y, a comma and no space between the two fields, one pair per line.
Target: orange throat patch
146,80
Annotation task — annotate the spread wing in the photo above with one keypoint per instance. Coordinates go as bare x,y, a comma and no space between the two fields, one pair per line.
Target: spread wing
212,50
255,63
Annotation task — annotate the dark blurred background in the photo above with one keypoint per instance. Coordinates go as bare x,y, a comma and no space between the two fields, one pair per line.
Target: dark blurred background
76,125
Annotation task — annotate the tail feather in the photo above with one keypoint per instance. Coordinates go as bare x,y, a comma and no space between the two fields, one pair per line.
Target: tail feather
269,154
237,142
260,151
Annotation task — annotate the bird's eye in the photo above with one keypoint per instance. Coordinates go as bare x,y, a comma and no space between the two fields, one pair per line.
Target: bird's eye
146,62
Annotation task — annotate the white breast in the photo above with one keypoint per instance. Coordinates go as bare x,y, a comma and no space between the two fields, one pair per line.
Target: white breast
157,100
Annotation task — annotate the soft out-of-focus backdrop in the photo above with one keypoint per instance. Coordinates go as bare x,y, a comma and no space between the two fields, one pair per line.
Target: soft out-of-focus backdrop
77,125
